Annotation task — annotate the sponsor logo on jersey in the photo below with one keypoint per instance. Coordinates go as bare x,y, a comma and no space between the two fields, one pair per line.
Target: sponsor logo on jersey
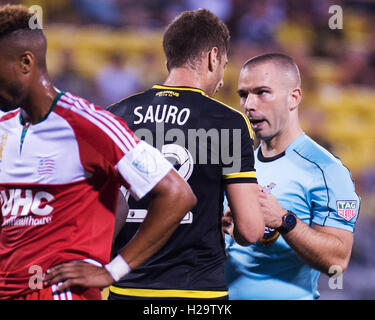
347,209
46,166
25,207
167,93
2,144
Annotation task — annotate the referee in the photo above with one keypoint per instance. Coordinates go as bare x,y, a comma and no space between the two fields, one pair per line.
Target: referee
309,202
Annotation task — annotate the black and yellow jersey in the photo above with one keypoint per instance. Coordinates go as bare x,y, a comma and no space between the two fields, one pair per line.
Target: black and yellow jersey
210,145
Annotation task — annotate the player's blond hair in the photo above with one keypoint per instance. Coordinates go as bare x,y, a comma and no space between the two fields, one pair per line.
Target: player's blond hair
13,18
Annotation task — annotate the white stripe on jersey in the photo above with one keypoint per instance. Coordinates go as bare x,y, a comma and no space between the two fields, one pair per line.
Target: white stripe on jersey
123,135
54,292
64,295
69,295
115,139
109,120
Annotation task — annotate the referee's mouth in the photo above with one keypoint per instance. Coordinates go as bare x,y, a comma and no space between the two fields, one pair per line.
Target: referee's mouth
257,124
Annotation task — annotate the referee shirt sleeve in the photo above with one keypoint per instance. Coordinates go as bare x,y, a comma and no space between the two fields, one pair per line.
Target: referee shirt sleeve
334,201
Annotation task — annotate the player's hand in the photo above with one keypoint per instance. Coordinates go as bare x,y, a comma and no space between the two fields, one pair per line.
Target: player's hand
271,209
227,224
78,273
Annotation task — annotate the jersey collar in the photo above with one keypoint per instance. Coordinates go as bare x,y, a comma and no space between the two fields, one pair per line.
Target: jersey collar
262,158
163,87
294,143
57,98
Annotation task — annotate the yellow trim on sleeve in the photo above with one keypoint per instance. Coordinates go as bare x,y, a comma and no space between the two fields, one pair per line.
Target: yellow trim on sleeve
248,174
167,293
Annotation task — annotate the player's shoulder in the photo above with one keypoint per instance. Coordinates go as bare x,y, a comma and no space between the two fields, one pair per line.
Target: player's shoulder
121,105
90,120
226,109
232,117
312,152
72,102
76,106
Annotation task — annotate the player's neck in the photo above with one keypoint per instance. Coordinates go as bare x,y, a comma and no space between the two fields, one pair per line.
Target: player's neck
185,77
38,103
280,142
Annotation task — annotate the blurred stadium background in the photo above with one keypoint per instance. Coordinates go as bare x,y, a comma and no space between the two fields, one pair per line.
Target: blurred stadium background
105,50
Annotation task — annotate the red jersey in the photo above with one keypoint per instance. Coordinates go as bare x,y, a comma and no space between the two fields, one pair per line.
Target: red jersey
59,182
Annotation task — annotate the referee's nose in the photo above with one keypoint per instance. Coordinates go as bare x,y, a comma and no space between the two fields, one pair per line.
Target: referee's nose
250,104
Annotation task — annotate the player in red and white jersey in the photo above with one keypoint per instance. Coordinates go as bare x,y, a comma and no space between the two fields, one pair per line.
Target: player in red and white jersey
62,162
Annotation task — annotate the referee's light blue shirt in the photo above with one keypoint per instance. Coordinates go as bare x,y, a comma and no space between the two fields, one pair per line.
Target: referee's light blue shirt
312,183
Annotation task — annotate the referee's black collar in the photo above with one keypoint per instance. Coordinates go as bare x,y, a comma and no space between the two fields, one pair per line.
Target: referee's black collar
262,158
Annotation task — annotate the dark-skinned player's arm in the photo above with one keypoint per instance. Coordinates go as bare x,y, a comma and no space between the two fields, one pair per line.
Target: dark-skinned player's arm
171,198
121,213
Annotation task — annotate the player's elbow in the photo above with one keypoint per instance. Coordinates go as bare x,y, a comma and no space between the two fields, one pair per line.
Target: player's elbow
181,194
249,235
187,196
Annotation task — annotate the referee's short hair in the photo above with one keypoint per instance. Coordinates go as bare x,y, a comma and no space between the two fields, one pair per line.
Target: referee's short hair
279,59
191,34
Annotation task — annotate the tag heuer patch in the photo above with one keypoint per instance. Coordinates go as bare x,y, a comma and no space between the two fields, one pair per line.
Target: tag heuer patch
347,209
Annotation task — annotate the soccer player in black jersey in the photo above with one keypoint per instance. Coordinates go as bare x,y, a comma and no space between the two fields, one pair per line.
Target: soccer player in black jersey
211,146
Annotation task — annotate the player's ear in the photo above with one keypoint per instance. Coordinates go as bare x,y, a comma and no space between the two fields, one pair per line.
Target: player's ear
213,59
167,65
26,62
294,98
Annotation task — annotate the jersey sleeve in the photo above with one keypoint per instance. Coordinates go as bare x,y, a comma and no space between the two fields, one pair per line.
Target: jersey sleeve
142,168
239,166
334,200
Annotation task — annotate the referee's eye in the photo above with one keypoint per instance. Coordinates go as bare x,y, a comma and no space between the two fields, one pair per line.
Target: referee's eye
242,94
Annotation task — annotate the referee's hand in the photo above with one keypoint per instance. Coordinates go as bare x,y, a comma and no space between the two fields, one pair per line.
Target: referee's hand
78,273
227,223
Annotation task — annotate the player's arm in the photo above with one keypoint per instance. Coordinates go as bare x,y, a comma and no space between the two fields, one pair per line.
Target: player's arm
171,198
241,187
328,241
121,212
248,222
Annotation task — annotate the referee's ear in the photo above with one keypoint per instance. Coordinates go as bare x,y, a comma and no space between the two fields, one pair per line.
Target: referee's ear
167,65
294,98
